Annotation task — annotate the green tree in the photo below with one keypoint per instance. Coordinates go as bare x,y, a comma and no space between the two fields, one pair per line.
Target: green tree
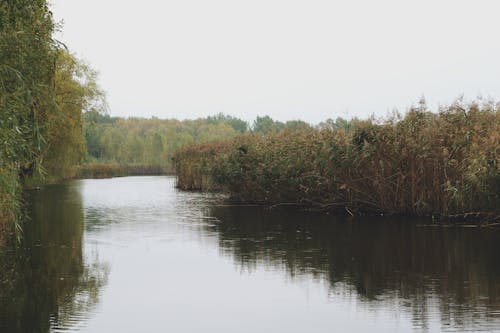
236,123
297,125
156,149
339,123
28,55
266,124
27,68
76,91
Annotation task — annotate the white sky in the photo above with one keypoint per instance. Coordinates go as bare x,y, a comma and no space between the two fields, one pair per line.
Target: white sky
304,59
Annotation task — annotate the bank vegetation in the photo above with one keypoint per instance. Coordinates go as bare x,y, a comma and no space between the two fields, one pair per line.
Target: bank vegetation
44,89
124,146
422,163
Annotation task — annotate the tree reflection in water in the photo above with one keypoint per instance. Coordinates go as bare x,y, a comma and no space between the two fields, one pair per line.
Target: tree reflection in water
46,282
49,282
454,271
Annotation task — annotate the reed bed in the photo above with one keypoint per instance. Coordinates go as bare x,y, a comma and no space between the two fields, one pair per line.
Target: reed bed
421,164
10,194
108,170
193,165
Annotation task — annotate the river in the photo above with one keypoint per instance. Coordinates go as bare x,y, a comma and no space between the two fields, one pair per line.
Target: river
136,255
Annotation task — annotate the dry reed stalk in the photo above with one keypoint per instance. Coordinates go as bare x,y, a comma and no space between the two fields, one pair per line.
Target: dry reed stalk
422,164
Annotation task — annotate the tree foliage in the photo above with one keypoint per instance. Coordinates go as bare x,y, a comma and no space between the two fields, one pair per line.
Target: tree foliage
150,142
43,91
75,91
27,68
27,65
237,124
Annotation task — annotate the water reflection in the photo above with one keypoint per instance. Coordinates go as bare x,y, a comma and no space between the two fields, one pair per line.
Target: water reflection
454,272
173,256
46,283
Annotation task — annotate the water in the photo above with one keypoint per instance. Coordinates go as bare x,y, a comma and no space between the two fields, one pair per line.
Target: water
135,255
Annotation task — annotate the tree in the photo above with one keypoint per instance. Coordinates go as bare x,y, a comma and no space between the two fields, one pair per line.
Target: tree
266,124
339,123
236,123
297,125
27,69
27,66
75,91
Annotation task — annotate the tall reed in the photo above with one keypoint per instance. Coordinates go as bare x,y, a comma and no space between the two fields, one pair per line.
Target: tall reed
106,170
10,198
420,164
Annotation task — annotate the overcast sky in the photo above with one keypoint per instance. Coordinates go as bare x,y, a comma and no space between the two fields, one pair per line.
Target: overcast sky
304,59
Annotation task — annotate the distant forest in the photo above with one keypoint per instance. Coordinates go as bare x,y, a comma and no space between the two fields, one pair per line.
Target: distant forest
152,142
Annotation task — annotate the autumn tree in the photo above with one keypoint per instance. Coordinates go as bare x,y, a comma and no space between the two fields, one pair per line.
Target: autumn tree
75,92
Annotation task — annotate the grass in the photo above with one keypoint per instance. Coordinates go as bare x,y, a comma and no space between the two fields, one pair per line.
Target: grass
421,164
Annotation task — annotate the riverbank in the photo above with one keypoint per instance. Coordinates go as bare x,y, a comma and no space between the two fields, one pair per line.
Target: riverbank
423,164
11,186
108,170
10,196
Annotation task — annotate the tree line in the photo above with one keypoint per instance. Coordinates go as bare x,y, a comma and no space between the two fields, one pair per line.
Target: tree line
152,142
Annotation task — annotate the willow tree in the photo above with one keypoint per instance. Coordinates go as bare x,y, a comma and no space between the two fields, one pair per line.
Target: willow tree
43,92
75,92
27,64
27,68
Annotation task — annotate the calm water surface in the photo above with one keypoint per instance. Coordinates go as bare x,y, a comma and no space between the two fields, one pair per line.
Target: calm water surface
135,255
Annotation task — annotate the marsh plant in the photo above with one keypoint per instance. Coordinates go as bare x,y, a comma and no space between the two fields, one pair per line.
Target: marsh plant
422,163
44,89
